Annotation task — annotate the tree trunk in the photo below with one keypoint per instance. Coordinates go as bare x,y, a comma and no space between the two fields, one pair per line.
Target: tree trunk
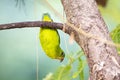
102,57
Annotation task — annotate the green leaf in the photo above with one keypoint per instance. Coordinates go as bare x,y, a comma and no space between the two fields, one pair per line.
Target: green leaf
115,34
49,77
63,73
80,71
81,68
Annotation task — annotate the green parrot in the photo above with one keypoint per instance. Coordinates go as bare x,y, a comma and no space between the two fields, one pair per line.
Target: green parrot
50,40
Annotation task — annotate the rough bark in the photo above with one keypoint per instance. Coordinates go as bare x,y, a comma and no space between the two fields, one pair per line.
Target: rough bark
102,58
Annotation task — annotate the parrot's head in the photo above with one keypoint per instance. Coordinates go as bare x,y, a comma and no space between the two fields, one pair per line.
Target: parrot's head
46,17
61,56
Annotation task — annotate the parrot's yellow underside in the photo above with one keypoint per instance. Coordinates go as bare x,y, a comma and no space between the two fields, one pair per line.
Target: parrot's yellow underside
50,41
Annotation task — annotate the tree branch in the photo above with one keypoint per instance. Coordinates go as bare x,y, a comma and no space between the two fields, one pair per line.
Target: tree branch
103,60
52,25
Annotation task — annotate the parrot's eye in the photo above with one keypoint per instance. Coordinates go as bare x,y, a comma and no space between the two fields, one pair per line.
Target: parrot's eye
63,54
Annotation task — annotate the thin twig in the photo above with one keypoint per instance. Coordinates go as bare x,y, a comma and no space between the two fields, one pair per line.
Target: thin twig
31,24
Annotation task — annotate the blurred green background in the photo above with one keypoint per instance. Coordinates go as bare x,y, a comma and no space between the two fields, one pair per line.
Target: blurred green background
20,48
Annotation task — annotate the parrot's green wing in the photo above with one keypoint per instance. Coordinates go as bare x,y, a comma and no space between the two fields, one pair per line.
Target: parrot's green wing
50,40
